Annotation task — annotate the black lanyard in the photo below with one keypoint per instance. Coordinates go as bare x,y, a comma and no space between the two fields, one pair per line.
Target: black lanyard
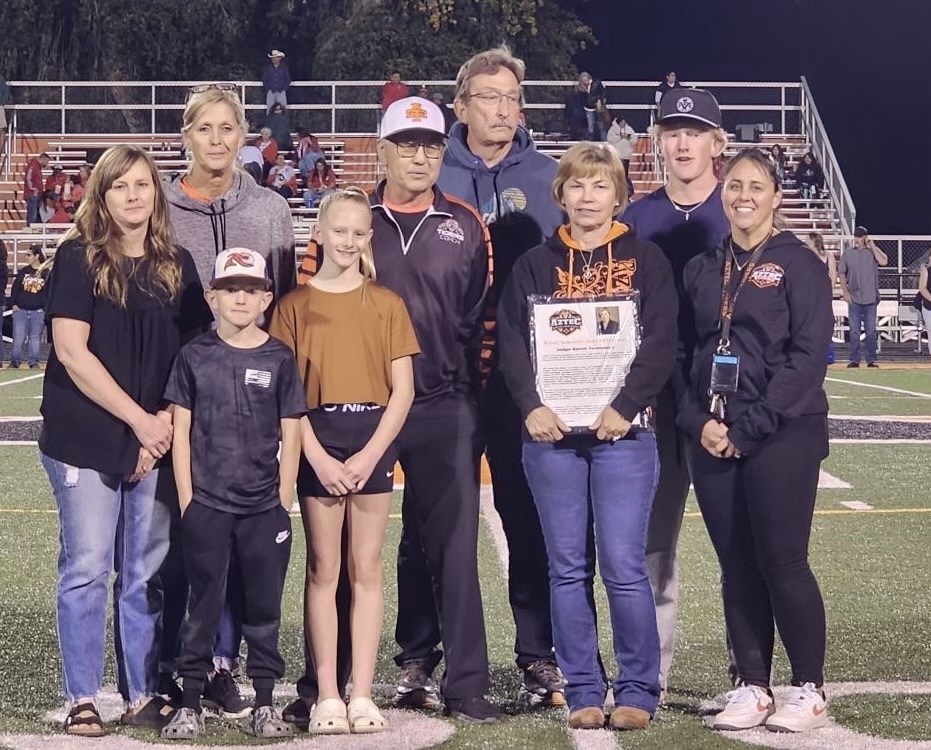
729,296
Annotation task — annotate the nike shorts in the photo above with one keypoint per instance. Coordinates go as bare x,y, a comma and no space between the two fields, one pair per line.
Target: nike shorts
343,430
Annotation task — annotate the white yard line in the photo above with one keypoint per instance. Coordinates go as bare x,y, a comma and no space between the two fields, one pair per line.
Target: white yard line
593,739
856,505
854,418
18,442
830,482
22,380
888,388
878,441
21,419
493,520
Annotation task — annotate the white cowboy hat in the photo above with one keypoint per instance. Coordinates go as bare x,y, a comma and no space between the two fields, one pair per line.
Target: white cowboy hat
276,53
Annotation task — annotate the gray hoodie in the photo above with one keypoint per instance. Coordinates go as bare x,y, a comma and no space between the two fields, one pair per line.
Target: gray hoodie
246,216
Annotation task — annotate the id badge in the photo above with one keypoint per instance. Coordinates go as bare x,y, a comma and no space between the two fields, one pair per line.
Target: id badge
725,369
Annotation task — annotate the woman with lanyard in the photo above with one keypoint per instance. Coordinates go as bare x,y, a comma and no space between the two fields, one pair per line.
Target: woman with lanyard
215,206
756,414
121,296
599,484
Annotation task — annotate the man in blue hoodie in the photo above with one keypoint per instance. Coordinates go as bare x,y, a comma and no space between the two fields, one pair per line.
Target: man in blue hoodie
492,164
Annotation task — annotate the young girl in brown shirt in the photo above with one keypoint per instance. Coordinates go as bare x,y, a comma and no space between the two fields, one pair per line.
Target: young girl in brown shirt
353,340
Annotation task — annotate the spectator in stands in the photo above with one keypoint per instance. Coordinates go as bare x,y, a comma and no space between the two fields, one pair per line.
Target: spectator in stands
624,139
449,115
594,103
34,187
277,121
56,181
393,90
423,92
307,145
576,121
924,296
670,81
214,207
322,180
594,490
84,172
756,443
859,283
269,148
809,177
275,80
121,297
27,301
283,178
491,163
779,159
47,206
63,214
4,277
252,161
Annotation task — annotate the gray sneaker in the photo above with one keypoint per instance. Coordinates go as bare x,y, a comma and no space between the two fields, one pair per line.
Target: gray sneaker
185,724
267,723
417,688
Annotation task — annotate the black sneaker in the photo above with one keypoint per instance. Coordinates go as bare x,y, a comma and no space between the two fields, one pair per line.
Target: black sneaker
297,712
417,688
872,364
543,683
221,694
853,364
476,710
169,689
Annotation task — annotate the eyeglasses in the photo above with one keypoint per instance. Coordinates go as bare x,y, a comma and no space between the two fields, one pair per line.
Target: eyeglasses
409,149
491,99
202,87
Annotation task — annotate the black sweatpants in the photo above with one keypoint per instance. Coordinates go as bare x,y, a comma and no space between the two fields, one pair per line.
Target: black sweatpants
262,545
438,555
528,567
758,511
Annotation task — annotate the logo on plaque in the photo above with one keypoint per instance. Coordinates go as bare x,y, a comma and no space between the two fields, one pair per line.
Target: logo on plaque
565,322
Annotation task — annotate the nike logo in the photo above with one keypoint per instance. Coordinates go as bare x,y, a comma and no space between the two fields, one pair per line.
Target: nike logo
282,536
819,711
761,706
390,474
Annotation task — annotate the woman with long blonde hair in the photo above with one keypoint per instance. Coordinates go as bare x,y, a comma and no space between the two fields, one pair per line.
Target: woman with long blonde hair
121,297
353,340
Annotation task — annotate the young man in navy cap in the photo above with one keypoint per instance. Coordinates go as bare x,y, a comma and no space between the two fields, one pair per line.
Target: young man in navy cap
685,217
859,283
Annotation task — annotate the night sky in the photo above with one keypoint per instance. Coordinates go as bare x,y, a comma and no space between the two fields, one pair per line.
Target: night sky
868,64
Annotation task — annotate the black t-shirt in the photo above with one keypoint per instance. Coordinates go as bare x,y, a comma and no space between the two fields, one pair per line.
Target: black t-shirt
136,344
408,222
237,398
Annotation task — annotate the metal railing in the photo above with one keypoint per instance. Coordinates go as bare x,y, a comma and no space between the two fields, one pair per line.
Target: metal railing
353,107
814,129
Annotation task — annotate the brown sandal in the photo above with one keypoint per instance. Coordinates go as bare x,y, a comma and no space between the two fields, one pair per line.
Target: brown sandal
84,721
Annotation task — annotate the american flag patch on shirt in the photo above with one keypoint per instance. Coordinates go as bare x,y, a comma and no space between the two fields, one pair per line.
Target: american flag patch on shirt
258,377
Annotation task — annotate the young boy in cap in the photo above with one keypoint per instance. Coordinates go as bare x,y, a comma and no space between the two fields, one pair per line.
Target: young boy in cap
235,389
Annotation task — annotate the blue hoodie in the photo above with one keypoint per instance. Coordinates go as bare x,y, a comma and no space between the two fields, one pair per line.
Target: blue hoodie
514,197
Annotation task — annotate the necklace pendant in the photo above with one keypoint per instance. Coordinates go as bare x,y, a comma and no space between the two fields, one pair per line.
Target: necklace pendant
587,275
687,215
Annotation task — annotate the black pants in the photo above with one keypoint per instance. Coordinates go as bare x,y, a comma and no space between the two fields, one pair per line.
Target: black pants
262,544
438,556
528,578
758,511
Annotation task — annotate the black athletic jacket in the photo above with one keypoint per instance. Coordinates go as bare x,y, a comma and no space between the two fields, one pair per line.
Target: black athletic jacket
443,277
556,268
781,330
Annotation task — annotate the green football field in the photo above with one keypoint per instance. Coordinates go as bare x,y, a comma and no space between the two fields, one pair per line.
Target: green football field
870,550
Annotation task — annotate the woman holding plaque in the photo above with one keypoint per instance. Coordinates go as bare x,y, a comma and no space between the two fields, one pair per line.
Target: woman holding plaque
757,416
594,486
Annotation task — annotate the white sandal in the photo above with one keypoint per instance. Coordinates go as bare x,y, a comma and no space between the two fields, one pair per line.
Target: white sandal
364,716
329,717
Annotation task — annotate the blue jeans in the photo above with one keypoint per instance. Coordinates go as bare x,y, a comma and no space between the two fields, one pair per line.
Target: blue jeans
32,210
27,323
864,315
108,524
593,495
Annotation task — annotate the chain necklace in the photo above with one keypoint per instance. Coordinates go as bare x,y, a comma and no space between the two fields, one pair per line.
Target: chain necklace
688,211
740,267
587,273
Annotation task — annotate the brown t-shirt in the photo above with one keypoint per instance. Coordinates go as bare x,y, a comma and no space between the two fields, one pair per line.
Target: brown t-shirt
345,342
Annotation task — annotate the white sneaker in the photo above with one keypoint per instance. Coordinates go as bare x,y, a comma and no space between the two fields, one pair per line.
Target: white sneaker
748,706
804,709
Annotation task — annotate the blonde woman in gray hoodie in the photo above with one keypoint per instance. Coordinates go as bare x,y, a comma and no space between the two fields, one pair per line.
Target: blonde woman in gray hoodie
214,206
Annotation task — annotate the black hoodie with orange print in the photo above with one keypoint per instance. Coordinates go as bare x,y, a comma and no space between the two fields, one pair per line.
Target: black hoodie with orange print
561,269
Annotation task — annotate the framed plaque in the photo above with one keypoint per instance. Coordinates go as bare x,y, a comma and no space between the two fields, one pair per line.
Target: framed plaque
581,351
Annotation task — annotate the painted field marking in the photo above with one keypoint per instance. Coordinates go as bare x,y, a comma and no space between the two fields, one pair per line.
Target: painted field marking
856,505
592,739
847,512
853,418
21,419
830,482
22,380
887,388
879,441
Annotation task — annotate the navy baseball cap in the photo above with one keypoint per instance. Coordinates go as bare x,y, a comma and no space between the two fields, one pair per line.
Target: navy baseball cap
690,104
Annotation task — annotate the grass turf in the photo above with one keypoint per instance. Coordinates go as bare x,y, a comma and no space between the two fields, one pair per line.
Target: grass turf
872,568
